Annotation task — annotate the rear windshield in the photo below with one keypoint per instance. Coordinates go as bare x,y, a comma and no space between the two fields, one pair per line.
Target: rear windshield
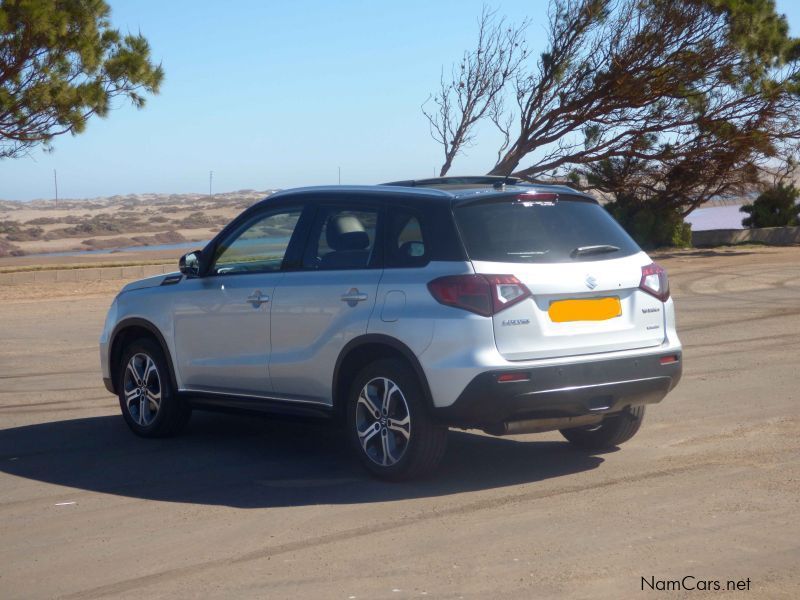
541,232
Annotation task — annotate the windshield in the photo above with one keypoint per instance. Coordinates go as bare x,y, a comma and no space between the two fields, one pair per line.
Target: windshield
511,230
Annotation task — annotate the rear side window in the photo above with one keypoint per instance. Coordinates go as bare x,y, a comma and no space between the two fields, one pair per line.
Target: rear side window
405,243
342,238
541,232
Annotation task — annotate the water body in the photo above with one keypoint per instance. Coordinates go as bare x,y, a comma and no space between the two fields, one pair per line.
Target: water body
716,217
179,246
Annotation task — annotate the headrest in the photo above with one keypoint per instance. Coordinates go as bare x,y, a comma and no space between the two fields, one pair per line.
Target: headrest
346,233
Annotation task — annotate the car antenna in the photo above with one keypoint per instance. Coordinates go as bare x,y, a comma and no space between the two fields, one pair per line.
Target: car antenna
501,185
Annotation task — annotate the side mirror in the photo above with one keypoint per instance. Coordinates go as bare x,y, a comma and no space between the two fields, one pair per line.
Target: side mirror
189,264
416,249
413,249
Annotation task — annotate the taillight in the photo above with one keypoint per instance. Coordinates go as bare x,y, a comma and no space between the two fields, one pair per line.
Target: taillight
655,281
482,294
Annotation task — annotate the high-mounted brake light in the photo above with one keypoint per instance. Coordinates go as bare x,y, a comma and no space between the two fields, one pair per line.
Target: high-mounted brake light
537,198
655,281
482,294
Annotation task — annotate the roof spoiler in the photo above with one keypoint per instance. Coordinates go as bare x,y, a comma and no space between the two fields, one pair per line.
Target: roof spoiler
493,180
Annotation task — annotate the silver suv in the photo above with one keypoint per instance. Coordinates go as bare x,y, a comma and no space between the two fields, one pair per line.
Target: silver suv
401,310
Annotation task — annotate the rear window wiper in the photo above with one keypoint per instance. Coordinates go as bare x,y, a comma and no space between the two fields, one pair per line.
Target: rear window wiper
600,249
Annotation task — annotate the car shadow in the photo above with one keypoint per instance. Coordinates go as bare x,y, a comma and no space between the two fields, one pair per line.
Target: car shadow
253,462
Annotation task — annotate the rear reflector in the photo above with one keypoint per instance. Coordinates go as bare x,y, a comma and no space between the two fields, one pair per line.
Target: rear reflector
668,360
507,377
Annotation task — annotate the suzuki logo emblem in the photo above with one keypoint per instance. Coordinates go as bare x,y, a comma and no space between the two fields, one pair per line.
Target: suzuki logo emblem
591,282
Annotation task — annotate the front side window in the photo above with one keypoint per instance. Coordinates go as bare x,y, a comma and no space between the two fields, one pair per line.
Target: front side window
342,238
258,246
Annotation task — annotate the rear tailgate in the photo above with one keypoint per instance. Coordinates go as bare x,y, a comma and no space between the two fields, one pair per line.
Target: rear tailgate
582,269
551,324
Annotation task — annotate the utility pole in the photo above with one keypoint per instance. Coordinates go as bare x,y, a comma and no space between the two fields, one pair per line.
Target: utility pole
340,175
210,180
55,183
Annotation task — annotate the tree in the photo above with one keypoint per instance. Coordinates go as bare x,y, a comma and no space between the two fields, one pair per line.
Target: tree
473,89
661,103
61,63
775,207
644,210
651,198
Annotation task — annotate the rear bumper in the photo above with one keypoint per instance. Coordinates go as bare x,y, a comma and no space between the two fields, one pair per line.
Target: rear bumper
568,390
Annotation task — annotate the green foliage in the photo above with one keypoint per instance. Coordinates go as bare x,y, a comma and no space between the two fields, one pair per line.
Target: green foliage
61,63
26,235
9,227
776,207
692,104
759,30
650,224
651,214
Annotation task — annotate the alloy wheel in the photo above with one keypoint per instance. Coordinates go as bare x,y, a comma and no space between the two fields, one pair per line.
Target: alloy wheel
142,386
383,421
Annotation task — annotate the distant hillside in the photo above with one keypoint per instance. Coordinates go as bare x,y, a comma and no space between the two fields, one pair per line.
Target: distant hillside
241,196
46,226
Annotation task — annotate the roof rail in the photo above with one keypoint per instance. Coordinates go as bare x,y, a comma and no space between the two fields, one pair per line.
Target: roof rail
493,180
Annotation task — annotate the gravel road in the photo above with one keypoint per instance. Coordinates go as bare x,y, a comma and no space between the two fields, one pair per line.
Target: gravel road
244,507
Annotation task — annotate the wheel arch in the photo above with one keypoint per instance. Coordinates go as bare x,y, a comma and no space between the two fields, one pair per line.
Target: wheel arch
128,330
367,348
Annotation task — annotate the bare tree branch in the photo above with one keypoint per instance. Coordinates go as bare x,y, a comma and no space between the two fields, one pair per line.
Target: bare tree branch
472,90
673,101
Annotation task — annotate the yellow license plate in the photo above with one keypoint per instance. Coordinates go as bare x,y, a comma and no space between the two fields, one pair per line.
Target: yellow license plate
591,309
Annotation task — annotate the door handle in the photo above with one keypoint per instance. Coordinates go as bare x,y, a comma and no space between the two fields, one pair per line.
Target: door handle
353,295
257,298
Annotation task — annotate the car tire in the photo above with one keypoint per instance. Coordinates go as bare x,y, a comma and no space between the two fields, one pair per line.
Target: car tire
613,431
147,398
389,424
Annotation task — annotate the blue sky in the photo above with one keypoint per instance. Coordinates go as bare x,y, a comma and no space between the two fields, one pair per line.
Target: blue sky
275,94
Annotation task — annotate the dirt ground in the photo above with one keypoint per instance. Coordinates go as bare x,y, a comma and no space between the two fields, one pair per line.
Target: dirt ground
243,507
